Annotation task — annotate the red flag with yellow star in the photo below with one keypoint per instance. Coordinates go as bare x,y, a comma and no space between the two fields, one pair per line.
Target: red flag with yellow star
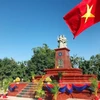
84,15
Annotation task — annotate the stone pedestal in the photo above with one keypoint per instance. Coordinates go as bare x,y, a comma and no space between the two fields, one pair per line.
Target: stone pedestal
63,65
62,58
67,71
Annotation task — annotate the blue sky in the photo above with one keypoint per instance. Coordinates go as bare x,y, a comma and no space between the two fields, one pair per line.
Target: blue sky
25,24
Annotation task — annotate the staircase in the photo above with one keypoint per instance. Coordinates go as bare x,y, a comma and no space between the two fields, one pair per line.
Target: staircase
28,91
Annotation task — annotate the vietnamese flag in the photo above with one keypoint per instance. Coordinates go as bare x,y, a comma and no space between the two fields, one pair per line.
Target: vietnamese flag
82,16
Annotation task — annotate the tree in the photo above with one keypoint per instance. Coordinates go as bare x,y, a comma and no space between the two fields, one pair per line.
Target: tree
43,58
6,66
95,64
76,61
91,66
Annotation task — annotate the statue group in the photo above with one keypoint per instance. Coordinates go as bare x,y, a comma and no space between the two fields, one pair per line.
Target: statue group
62,41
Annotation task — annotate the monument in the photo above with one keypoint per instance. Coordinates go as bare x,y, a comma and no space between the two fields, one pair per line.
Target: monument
62,59
69,75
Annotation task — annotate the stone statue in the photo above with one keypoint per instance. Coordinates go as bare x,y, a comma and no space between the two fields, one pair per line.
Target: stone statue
62,42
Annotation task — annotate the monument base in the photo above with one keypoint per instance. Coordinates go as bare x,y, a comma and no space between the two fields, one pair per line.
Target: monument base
85,95
70,76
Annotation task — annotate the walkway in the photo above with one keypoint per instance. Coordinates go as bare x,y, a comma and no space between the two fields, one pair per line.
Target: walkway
16,98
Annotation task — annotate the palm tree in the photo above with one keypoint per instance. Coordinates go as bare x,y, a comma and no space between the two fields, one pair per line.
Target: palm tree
55,89
94,85
6,83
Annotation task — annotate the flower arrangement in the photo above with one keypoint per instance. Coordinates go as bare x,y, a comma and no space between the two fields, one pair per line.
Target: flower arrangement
17,79
48,80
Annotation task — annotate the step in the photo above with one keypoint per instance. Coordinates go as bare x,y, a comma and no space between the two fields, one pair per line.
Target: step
28,91
26,95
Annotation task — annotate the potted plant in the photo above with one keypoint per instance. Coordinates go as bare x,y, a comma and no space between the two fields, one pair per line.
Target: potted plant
39,92
33,75
94,86
60,76
6,83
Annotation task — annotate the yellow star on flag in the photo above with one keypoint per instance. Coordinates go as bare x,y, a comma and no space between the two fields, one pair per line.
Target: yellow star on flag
88,13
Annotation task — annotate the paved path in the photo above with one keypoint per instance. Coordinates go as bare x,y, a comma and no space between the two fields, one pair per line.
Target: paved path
16,98
77,99
20,98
